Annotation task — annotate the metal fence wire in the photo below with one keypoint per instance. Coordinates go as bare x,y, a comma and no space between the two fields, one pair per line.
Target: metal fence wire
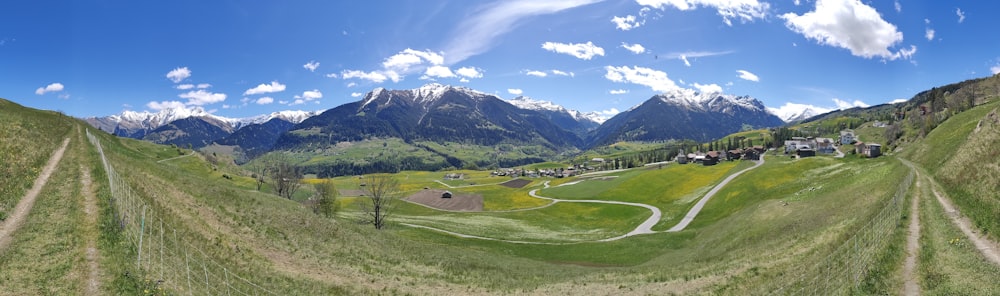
166,260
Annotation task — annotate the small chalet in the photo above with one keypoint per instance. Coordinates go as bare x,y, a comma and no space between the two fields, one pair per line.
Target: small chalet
711,158
681,159
735,154
846,137
825,145
868,150
751,154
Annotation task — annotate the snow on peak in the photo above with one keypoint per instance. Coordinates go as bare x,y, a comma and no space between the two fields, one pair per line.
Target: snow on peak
161,117
293,116
795,112
708,100
532,104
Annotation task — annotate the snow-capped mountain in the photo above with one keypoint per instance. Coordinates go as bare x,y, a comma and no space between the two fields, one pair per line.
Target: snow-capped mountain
792,112
685,114
136,124
571,120
432,112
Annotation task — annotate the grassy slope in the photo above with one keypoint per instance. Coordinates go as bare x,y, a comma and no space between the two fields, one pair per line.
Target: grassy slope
966,165
29,138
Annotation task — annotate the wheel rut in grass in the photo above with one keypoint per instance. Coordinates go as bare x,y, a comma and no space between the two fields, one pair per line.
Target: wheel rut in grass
90,209
16,218
989,248
910,284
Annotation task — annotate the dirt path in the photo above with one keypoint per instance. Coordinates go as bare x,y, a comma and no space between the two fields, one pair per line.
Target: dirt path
93,285
989,248
23,207
701,203
172,158
910,284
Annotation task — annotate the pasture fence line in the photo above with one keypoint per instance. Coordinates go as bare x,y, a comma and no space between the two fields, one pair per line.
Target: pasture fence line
844,270
164,259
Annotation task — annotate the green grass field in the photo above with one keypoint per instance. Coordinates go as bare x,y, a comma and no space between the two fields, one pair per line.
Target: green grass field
784,227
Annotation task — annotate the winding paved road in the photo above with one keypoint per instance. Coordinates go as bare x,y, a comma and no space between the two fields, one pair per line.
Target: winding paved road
646,227
701,203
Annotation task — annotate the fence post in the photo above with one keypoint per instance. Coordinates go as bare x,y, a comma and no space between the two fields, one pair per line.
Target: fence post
138,259
161,248
228,287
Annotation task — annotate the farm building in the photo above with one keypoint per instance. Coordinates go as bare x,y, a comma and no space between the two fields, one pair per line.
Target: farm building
825,145
806,152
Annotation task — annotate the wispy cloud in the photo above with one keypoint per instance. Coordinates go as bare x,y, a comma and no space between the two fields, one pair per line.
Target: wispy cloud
515,91
477,33
311,66
634,48
685,56
265,88
746,75
744,10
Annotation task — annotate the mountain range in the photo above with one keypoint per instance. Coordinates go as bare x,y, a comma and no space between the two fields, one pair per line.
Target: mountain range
436,113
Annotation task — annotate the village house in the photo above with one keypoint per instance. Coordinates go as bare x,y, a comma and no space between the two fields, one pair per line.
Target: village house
735,154
825,145
868,150
710,158
797,143
847,137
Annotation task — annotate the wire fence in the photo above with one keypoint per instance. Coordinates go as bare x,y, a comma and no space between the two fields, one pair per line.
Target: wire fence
167,261
845,269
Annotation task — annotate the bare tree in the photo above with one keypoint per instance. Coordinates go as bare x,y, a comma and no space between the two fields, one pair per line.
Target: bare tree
381,191
286,177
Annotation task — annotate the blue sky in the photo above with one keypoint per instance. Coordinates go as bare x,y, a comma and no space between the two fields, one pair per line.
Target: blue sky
242,58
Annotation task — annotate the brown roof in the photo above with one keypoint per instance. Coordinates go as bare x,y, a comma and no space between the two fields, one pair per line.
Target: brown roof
713,154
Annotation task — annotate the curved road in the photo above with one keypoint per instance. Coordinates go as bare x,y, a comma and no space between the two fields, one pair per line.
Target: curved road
646,227
701,203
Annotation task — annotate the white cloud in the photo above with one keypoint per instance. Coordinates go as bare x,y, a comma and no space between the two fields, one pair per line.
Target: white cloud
331,75
352,84
563,73
897,101
165,105
407,58
202,97
634,48
709,88
744,10
995,69
515,91
178,74
626,23
685,59
245,100
960,14
275,86
841,104
373,76
264,100
898,6
583,51
356,94
297,102
311,66
618,91
54,87
536,73
439,71
463,80
184,86
929,34
746,75
852,25
283,102
654,79
797,2
478,32
310,95
469,72
204,85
